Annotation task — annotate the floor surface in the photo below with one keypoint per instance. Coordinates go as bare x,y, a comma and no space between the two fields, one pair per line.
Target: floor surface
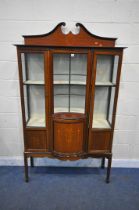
61,188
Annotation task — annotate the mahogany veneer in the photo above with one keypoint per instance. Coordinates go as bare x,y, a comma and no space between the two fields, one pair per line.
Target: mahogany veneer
69,135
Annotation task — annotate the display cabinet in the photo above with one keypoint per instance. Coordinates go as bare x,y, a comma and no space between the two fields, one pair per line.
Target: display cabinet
69,88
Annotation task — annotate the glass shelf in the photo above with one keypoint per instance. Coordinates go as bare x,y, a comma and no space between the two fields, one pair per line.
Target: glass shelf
78,110
72,94
62,82
33,82
105,84
72,74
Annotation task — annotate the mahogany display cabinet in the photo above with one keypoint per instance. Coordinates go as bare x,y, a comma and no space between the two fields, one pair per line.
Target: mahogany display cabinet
69,89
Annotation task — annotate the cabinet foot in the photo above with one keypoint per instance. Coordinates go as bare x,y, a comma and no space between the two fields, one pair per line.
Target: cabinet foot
26,168
103,163
107,181
31,162
108,170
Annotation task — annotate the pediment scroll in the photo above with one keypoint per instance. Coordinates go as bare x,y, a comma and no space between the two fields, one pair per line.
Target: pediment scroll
64,36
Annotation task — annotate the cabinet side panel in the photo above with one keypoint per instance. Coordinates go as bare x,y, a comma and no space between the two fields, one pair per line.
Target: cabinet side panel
35,140
100,140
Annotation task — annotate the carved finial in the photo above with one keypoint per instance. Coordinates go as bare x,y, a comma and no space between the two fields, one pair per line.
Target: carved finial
69,28
65,29
76,29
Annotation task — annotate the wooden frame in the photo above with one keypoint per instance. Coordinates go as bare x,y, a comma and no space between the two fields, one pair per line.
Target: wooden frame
69,135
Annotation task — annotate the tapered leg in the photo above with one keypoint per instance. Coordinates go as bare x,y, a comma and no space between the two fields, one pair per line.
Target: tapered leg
103,162
31,161
108,169
26,167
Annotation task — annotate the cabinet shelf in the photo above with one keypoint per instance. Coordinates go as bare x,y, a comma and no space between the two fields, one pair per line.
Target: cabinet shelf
31,82
60,82
105,84
36,121
72,74
67,94
61,109
100,123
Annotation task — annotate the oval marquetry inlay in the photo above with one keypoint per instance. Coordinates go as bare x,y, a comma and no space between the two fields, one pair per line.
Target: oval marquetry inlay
96,43
68,137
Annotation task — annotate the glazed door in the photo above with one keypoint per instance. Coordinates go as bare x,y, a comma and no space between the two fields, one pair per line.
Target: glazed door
69,80
34,92
105,83
34,89
69,101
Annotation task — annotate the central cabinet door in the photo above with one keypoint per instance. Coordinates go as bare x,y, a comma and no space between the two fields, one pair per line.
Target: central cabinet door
69,131
69,101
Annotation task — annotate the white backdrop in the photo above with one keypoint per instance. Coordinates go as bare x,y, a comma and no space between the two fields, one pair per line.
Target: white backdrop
114,18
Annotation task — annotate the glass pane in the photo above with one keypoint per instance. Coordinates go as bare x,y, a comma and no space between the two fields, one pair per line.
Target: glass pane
61,89
34,93
78,79
61,79
101,102
61,103
106,75
106,70
78,64
103,107
69,75
61,64
34,105
33,67
77,103
110,114
78,90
